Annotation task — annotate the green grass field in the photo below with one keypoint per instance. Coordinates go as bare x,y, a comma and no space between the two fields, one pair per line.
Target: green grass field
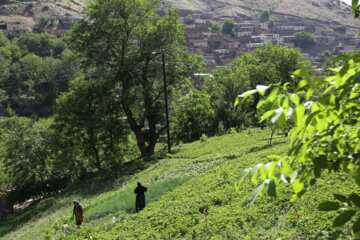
199,177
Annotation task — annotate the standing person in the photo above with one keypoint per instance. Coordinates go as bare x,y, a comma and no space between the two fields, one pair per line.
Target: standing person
78,212
140,196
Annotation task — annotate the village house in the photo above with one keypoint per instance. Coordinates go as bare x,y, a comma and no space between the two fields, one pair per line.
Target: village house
288,29
199,43
202,25
12,30
342,49
324,39
209,60
252,27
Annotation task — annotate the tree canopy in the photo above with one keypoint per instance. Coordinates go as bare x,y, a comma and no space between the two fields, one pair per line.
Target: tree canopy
304,40
130,48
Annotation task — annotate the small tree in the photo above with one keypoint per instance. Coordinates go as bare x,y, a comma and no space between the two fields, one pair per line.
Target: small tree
304,40
265,15
192,117
340,28
215,26
228,26
323,56
188,19
271,23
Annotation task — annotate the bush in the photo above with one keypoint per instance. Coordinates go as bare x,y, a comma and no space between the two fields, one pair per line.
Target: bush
46,7
304,40
340,28
215,26
265,15
192,117
271,23
228,26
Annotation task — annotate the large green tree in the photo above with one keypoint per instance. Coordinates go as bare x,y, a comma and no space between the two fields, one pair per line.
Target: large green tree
127,39
266,65
88,119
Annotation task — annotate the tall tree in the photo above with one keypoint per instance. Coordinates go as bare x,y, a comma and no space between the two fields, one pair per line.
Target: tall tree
127,39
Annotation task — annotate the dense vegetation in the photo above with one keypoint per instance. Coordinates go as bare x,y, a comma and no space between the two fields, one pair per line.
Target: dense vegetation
304,40
109,111
198,178
34,69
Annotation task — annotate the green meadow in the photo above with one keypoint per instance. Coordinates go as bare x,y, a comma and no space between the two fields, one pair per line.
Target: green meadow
191,195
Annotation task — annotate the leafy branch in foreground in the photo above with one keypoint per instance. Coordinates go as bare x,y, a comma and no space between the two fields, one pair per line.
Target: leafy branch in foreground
325,136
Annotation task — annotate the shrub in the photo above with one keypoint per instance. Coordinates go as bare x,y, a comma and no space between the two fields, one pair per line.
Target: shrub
340,28
228,26
304,40
215,26
265,15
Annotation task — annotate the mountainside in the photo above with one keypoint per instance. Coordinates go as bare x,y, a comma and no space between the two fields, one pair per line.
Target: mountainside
333,11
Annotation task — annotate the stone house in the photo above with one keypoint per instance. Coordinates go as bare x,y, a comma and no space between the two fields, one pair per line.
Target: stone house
342,49
199,43
252,27
12,30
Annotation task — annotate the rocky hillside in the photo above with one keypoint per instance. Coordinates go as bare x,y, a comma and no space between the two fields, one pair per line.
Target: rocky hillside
332,11
39,14
44,14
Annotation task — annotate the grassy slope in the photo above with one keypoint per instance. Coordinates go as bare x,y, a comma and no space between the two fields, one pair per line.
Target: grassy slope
198,178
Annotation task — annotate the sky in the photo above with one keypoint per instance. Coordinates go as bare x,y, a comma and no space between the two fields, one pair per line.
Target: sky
347,1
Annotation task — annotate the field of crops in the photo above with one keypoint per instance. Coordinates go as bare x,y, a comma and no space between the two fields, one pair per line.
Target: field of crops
191,195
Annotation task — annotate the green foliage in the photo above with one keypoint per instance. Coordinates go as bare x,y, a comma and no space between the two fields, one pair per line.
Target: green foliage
340,28
304,40
324,56
266,65
198,177
192,117
215,26
3,40
270,23
265,15
26,156
188,19
133,44
325,136
34,70
88,121
43,45
228,26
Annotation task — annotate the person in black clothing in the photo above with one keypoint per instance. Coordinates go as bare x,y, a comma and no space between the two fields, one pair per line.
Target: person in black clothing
140,197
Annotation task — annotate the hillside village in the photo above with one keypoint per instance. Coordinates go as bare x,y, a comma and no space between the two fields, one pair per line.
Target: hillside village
219,49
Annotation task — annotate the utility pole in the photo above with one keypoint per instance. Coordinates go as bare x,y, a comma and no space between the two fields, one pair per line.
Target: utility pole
166,105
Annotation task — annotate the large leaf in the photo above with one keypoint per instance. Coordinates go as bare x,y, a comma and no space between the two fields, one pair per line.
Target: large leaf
254,173
356,226
243,96
261,89
329,206
301,73
278,113
256,192
343,218
355,199
270,187
242,177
